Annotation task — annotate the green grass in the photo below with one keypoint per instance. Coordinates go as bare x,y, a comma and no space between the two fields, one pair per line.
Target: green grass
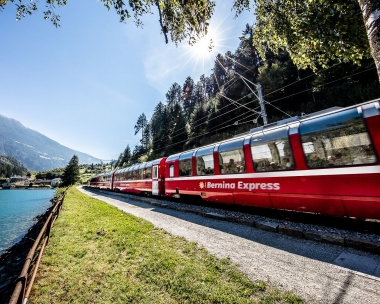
99,254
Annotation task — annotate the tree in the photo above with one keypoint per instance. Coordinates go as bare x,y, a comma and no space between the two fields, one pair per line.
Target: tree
141,125
174,95
125,157
316,33
178,19
70,175
188,97
371,16
178,135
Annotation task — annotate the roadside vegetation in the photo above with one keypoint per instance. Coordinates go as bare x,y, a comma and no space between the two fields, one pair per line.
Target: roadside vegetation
99,254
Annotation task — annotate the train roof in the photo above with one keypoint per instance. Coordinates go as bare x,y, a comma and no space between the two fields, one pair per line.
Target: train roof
140,165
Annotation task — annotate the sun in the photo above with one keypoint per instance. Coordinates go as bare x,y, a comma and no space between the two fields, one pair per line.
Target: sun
204,46
202,53
204,50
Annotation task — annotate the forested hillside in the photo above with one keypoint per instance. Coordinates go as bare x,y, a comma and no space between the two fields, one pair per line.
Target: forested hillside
10,166
225,103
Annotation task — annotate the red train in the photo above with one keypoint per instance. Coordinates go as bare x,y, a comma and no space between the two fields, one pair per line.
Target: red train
326,162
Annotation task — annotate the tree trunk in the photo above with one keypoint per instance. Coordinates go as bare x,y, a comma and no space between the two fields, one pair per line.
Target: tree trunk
371,17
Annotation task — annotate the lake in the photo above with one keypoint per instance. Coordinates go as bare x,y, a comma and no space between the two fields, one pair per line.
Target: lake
17,210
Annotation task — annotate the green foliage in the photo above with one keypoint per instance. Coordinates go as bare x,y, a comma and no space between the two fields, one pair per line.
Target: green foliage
50,174
11,166
316,33
71,173
178,19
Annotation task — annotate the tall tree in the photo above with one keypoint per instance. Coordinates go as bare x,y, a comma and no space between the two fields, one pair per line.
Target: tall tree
178,134
174,95
188,97
125,159
140,126
71,173
197,126
371,16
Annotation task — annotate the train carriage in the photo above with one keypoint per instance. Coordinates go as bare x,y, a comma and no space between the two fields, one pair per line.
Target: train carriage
325,163
146,178
102,181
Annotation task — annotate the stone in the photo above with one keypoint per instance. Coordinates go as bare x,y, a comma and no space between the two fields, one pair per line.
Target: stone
362,244
333,239
215,215
290,231
268,226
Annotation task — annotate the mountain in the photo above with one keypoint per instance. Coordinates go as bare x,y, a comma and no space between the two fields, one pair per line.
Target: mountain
34,150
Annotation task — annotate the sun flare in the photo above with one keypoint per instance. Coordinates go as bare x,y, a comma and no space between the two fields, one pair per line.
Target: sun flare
202,53
204,46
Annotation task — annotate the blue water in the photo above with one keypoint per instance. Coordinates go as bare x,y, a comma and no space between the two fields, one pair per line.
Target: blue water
17,210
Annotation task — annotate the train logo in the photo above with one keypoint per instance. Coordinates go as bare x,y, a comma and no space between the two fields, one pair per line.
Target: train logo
201,185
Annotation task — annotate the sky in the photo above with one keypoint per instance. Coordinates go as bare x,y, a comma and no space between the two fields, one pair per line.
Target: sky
85,84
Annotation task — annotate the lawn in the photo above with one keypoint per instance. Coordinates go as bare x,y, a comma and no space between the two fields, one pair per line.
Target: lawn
99,254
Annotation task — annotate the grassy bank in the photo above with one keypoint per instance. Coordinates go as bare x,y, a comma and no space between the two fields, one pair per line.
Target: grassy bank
98,254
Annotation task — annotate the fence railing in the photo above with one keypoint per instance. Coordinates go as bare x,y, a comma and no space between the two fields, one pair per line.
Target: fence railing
24,284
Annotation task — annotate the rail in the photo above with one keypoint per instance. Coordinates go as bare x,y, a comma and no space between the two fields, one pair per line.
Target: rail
23,286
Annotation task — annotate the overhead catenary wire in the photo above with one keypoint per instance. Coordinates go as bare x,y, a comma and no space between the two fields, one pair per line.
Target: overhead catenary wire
234,79
272,101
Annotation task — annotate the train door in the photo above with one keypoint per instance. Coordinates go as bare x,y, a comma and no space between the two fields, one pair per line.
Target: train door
155,180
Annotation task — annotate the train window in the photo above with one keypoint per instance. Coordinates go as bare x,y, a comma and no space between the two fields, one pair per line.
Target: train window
271,151
231,157
155,172
185,167
148,173
171,171
340,139
205,161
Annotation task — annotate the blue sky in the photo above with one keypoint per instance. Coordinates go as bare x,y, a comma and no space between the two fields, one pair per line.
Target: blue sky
85,84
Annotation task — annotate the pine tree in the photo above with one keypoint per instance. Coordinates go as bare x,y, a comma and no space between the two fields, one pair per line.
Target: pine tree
178,136
174,95
126,158
71,174
140,126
